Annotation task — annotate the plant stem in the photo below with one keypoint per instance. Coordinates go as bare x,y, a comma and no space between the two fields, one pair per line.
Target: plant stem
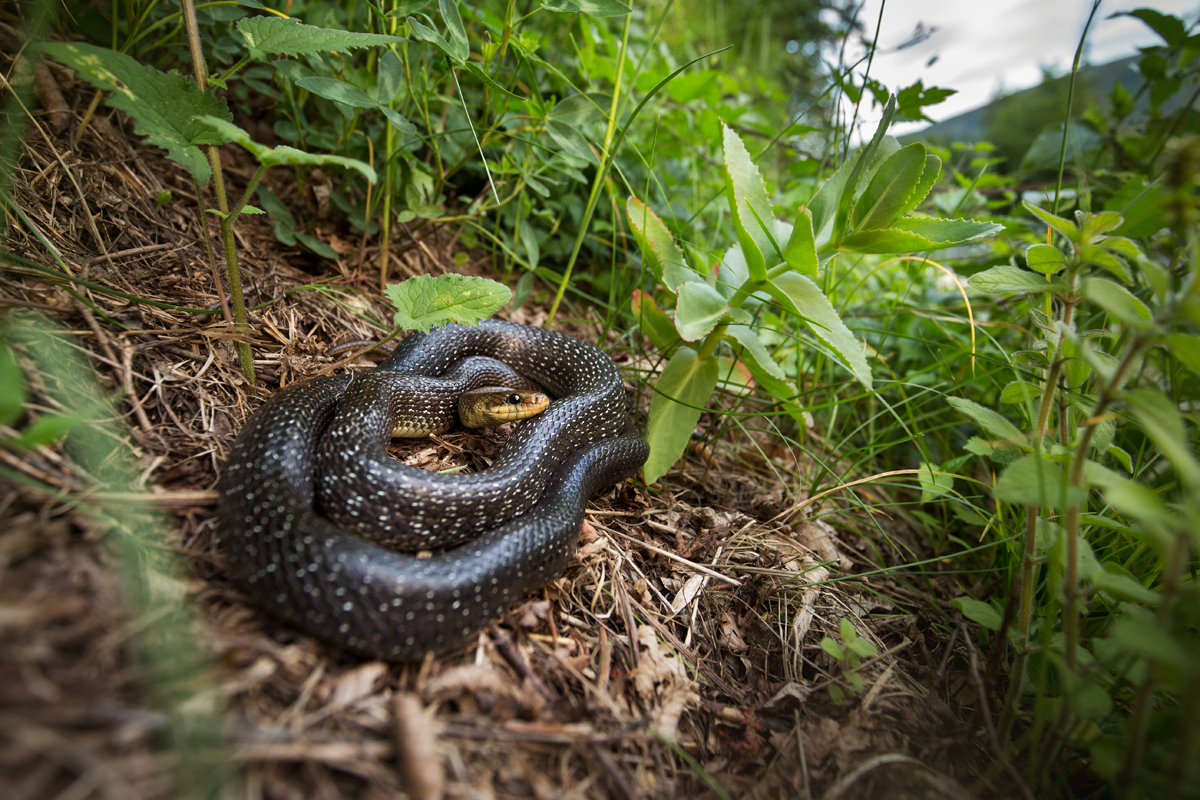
245,356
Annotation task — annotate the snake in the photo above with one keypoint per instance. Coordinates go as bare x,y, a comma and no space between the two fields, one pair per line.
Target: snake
373,601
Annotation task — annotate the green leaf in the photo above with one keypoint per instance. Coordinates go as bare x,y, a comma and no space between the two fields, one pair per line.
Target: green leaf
800,253
1063,226
1185,348
162,105
977,611
455,30
824,203
1046,259
1150,642
917,235
424,33
391,77
1098,255
316,245
1161,420
266,36
833,648
935,483
800,295
275,207
850,190
654,322
887,195
1119,302
593,8
681,391
699,310
1093,226
1168,26
50,429
979,447
746,337
1007,278
398,121
275,156
929,177
425,301
12,386
1019,392
1035,481
1089,700
991,421
750,206
338,91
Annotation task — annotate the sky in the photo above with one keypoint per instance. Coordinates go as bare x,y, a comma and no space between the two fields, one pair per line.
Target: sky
983,46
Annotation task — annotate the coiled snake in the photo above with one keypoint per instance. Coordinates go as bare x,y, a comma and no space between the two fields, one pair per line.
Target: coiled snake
374,601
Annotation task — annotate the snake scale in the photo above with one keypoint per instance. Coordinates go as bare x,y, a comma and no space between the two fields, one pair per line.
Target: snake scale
374,601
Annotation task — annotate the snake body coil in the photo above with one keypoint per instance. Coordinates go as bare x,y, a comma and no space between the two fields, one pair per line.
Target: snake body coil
377,602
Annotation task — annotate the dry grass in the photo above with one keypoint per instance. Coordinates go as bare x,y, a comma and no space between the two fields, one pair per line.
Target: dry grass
689,623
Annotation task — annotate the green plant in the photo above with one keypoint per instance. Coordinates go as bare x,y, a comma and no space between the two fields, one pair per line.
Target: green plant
864,207
850,652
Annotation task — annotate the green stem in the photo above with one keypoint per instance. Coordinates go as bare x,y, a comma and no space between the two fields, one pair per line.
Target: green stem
711,341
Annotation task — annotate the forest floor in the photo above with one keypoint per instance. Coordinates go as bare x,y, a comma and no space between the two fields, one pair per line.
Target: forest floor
679,656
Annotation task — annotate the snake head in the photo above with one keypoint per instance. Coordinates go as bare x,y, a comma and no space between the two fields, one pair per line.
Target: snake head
495,405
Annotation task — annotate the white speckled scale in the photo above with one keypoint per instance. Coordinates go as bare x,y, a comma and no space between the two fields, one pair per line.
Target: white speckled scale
373,601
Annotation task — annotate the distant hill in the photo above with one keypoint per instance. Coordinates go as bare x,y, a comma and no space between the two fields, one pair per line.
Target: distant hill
971,126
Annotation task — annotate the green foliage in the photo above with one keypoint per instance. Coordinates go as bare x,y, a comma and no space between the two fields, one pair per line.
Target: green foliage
426,301
851,650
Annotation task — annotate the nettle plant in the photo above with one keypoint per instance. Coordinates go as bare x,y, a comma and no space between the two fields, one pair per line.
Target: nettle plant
1113,528
865,207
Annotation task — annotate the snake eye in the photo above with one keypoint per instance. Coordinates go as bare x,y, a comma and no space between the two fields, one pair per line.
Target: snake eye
513,399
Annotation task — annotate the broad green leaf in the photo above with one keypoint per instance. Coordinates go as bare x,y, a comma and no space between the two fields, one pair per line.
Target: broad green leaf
1095,254
991,421
1035,481
391,77
1186,349
728,274
572,141
275,156
929,176
699,310
1090,700
398,121
662,255
162,105
1094,225
887,195
593,8
456,33
266,36
850,191
745,336
980,612
979,447
750,206
833,648
824,203
1046,259
338,91
803,298
316,245
800,253
1007,278
1119,302
12,386
1161,420
918,234
654,322
424,33
275,207
1151,642
1170,27
1019,392
425,301
934,482
683,388
1063,226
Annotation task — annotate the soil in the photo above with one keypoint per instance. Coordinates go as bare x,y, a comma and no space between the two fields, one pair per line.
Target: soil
679,656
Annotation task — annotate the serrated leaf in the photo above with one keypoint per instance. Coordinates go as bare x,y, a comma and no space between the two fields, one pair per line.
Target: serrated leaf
862,166
427,301
275,156
162,105
1007,278
1035,481
918,234
746,337
700,308
681,391
824,203
991,421
658,247
1046,259
887,195
593,8
800,253
802,297
338,91
1119,302
1063,226
977,611
654,322
267,36
929,177
750,206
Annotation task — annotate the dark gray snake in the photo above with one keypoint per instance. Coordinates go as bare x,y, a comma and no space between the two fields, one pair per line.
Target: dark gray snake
377,602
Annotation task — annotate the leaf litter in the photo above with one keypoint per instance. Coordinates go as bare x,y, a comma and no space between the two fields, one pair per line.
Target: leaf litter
679,653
